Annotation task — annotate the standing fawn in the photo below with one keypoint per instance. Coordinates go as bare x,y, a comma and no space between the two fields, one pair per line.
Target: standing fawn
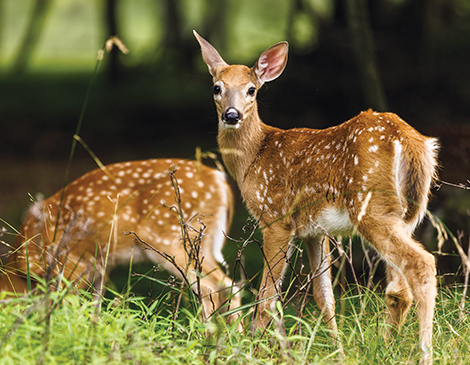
132,196
370,176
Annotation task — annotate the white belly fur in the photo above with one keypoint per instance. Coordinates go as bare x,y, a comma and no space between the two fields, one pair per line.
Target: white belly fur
333,220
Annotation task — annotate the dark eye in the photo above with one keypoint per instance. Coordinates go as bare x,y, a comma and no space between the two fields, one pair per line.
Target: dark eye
251,91
216,89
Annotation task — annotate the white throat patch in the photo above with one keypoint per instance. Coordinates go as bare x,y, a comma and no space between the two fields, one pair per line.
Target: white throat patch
225,125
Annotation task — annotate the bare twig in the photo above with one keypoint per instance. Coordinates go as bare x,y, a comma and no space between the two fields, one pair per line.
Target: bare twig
170,259
372,263
464,186
443,234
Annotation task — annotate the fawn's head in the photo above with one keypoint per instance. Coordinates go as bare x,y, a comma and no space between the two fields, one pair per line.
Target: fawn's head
235,86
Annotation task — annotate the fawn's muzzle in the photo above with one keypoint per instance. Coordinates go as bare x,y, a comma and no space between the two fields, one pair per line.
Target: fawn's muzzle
232,116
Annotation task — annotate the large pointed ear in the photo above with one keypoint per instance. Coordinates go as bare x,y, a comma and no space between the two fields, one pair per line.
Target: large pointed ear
210,55
272,62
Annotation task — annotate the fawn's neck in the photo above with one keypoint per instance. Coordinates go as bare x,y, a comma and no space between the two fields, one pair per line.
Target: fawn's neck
239,147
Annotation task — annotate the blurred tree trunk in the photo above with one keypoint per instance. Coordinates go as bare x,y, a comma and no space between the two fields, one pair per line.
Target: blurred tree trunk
295,7
215,27
179,47
114,70
177,50
173,41
2,21
357,16
172,37
31,36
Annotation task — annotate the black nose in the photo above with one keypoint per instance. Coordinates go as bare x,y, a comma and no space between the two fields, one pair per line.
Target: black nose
232,116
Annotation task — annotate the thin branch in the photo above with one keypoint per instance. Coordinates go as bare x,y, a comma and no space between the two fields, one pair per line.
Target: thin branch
464,186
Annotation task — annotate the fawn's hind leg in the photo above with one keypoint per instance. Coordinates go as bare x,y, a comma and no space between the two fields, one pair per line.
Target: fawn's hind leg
398,297
388,235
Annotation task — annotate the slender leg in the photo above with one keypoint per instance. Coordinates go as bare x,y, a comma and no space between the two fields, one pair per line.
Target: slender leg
398,297
416,265
318,253
275,248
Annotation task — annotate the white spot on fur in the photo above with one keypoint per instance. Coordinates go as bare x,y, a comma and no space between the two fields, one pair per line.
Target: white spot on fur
364,206
400,173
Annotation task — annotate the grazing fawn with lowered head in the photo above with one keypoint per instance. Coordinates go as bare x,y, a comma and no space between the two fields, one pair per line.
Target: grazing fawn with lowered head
136,196
370,176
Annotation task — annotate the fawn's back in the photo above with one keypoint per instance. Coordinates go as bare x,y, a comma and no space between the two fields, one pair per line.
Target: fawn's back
325,175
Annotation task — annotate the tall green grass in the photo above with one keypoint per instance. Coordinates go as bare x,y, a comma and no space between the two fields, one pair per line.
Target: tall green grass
127,330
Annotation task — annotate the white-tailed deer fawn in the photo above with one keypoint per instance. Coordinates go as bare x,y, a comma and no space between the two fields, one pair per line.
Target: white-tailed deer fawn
370,175
133,196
